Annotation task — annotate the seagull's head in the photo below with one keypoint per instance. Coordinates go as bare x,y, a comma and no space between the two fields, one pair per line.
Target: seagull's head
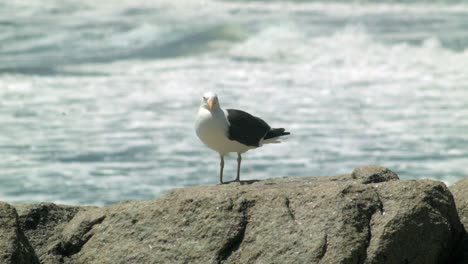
210,101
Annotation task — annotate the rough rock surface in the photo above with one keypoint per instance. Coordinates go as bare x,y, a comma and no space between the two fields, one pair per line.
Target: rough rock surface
368,216
460,193
42,223
373,174
14,246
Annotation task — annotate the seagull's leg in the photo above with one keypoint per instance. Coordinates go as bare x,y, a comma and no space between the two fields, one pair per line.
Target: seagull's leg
221,164
239,159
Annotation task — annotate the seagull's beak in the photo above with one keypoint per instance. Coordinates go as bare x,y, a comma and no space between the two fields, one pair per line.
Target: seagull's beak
210,104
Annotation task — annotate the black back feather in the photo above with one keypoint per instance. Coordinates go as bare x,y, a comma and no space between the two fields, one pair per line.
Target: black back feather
246,128
249,130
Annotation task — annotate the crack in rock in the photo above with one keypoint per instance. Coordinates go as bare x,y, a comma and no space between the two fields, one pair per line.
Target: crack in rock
373,211
323,248
234,241
363,203
72,244
368,240
380,203
290,211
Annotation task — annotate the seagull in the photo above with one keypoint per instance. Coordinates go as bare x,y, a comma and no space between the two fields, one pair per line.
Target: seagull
232,130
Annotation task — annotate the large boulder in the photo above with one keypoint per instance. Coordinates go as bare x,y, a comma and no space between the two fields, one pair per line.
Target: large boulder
14,246
368,216
460,192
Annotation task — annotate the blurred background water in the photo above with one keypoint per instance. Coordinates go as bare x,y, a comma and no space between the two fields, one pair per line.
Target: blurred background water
97,98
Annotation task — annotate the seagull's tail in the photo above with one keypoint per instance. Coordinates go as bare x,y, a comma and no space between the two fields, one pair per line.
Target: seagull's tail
273,134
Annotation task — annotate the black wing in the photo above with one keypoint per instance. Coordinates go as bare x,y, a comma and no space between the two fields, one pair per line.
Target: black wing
246,128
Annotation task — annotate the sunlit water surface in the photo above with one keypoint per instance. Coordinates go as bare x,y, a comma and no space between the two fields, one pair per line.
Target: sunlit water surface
97,99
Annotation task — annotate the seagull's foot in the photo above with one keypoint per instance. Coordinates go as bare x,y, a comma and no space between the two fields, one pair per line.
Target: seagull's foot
241,182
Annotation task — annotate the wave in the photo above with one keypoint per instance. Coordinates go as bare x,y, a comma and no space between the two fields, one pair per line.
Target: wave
46,39
143,43
350,47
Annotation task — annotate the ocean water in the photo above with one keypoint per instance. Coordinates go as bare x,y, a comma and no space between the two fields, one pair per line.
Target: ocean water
97,98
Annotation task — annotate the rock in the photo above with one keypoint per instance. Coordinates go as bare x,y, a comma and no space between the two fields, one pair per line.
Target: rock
365,217
374,174
43,223
460,193
14,247
77,233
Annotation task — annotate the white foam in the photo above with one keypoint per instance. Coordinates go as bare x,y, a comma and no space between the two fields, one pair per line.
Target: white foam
348,93
356,53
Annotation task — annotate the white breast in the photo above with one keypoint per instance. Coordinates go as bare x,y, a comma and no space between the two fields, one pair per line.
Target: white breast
212,129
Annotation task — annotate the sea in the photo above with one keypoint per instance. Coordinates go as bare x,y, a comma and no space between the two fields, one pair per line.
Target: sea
98,98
